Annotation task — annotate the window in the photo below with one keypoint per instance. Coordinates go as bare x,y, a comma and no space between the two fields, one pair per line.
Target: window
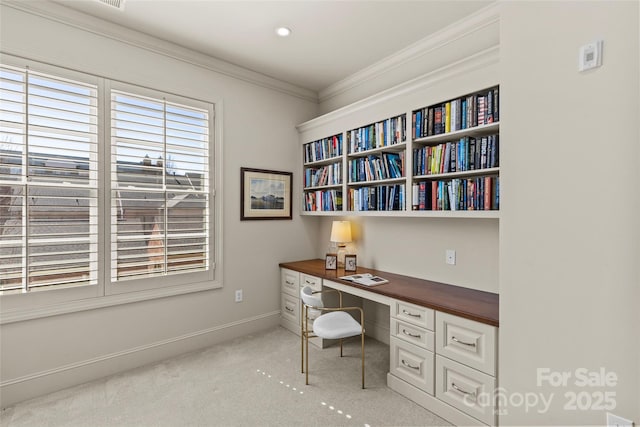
48,182
160,186
113,191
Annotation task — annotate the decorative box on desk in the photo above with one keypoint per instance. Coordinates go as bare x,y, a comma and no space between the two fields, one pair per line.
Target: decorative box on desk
443,339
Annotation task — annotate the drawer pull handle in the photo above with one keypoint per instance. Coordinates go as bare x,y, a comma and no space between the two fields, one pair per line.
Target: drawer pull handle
404,331
470,344
410,314
291,310
408,365
455,387
289,283
308,282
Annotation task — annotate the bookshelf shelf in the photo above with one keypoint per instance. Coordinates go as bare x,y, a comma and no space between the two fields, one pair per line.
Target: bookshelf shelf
323,187
377,182
446,165
474,131
450,175
394,148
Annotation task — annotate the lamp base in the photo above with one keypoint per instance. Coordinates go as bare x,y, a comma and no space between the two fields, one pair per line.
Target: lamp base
342,251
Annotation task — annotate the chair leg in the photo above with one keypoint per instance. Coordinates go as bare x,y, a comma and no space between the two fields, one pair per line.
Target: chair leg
362,335
302,343
306,370
340,347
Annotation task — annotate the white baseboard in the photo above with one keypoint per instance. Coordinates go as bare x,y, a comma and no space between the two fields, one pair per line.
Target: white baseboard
36,384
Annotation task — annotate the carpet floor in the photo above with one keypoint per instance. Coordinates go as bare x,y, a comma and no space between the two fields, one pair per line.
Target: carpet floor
251,381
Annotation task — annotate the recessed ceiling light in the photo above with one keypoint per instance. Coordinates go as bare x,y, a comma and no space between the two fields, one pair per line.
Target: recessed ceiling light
283,31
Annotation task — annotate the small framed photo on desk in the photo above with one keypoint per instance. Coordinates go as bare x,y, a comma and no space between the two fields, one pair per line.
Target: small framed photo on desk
350,263
331,262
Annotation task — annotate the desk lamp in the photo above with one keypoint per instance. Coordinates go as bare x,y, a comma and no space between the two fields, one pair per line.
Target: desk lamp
340,236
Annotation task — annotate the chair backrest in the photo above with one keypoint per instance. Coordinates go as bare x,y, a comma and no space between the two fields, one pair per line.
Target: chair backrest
309,299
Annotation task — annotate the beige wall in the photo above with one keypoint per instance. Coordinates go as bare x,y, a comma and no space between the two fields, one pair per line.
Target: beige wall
569,278
565,255
258,131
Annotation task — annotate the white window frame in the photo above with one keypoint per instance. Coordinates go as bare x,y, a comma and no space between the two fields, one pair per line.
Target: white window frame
43,303
188,279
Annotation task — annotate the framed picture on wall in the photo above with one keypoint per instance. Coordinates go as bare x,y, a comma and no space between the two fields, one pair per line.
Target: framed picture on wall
331,262
265,194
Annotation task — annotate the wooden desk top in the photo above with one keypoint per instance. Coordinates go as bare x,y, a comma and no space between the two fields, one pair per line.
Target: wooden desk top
464,302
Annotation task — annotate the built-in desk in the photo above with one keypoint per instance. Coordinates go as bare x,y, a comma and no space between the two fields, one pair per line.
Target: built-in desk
464,302
443,338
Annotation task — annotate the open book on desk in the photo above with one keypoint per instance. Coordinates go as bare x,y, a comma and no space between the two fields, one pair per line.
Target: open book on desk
365,279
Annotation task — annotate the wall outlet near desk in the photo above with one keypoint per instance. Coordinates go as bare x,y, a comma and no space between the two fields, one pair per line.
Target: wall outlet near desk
450,256
617,421
239,295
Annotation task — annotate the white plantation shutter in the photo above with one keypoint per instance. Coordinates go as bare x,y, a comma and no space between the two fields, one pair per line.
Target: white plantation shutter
159,187
48,181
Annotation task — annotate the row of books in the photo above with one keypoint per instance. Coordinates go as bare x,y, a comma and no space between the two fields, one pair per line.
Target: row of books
322,149
462,113
377,198
480,193
381,134
323,200
376,167
469,153
324,175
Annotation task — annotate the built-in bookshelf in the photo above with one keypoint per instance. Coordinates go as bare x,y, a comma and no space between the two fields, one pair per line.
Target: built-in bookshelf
447,164
323,174
455,152
376,166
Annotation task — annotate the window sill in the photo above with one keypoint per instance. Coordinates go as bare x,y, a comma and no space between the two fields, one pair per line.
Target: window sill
22,314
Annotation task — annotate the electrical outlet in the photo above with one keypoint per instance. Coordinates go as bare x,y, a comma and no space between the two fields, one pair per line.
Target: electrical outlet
617,421
239,295
450,256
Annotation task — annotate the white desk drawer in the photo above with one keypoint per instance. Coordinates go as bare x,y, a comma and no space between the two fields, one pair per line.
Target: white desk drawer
313,281
466,341
466,389
290,281
413,334
412,364
414,314
290,308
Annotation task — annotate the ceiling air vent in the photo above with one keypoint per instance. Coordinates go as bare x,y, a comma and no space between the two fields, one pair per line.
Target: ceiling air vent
118,4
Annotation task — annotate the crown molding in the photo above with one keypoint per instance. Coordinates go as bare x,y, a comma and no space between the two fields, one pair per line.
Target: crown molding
486,16
480,60
66,16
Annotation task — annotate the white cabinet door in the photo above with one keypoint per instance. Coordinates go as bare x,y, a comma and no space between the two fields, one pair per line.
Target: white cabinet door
466,341
466,389
415,314
412,364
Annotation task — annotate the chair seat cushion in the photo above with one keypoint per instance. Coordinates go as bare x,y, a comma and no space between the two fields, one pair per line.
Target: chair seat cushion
335,325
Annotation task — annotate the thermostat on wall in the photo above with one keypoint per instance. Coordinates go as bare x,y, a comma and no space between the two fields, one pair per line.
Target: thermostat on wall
590,56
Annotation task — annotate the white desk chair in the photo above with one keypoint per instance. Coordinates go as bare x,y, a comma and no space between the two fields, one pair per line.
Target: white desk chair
335,323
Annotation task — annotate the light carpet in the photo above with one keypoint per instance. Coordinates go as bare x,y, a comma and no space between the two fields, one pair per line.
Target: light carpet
251,381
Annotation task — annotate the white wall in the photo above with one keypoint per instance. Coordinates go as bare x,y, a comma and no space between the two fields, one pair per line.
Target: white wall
258,131
569,232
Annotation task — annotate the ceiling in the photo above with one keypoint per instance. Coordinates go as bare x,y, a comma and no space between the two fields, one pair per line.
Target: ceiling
330,40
